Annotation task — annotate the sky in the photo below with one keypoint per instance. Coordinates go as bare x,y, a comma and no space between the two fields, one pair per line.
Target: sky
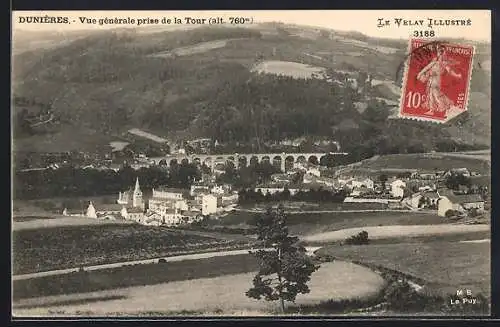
364,21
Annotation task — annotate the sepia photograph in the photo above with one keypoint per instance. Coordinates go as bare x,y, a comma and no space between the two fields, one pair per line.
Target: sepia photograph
279,163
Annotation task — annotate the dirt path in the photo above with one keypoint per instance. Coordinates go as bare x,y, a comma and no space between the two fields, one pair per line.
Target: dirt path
194,256
223,236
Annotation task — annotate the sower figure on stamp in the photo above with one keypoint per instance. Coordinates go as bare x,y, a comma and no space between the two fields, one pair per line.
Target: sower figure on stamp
435,99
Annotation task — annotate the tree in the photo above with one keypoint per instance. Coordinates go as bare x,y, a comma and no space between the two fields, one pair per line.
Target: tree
383,179
422,202
285,267
359,239
229,176
473,213
361,80
455,180
450,213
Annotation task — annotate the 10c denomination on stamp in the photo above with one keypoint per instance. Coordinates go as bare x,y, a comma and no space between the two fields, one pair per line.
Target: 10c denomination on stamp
436,81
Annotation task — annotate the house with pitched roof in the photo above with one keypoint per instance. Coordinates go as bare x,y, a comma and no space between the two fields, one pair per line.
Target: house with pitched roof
461,203
423,199
397,188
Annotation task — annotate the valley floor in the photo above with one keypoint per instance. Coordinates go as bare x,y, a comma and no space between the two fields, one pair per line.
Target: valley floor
338,280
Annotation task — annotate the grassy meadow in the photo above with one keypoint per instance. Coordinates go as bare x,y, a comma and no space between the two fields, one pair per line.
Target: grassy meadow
224,293
434,161
443,267
310,223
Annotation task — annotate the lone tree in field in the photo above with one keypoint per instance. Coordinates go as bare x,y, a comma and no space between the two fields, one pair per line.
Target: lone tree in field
285,267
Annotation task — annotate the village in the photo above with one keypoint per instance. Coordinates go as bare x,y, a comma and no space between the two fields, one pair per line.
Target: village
454,193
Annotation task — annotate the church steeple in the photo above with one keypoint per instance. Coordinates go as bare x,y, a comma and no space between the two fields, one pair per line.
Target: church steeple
137,196
137,186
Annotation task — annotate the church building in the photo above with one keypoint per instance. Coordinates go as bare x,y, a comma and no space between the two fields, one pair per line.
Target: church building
130,206
132,198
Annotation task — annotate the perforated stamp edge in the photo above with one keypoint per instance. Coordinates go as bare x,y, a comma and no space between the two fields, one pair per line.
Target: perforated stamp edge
405,79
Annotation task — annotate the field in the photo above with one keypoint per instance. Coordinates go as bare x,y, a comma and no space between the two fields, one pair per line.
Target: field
311,223
315,206
435,161
66,138
443,267
74,246
147,135
193,49
134,275
102,79
366,45
395,231
216,294
293,69
27,223
118,145
53,207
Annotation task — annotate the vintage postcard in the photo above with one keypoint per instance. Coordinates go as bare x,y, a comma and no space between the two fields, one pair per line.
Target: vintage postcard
251,163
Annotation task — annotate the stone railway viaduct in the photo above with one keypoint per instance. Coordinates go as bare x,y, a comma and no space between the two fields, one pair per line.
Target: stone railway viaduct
238,160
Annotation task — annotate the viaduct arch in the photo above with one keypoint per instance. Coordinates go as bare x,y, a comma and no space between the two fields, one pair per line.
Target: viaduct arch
243,160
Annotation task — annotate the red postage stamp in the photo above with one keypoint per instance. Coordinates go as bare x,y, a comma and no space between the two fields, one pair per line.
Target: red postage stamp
436,81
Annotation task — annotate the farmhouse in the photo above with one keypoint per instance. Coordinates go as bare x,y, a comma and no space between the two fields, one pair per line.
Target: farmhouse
196,188
169,193
281,178
324,181
229,197
151,219
307,168
293,171
426,188
208,204
360,191
275,188
431,198
351,199
360,182
73,212
220,189
423,200
104,210
458,171
135,214
414,200
397,188
433,175
189,217
139,165
459,203
295,143
171,217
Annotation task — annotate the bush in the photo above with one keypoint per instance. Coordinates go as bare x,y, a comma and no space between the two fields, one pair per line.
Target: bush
360,239
451,213
473,213
400,296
